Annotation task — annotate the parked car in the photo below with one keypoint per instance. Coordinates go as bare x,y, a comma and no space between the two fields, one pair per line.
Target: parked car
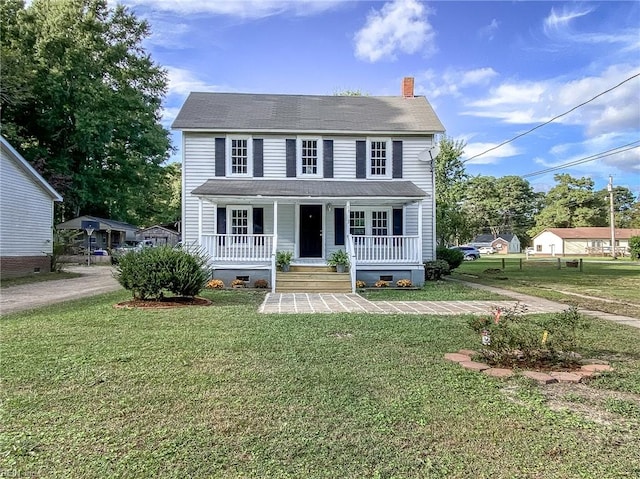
486,250
470,252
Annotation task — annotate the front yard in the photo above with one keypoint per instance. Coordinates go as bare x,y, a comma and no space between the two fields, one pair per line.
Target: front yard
90,391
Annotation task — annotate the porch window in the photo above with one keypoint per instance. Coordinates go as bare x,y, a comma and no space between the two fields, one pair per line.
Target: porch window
239,156
369,222
357,225
379,158
309,157
239,221
379,223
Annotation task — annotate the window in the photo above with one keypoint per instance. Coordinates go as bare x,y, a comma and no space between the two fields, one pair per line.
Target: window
309,156
357,223
239,221
379,223
239,156
369,222
379,154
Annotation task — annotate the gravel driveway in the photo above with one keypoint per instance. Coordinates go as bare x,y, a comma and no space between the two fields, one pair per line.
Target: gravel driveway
94,280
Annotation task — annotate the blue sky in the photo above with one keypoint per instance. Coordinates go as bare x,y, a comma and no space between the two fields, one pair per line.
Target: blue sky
491,70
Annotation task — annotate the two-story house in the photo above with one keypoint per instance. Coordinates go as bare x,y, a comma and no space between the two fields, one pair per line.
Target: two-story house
263,173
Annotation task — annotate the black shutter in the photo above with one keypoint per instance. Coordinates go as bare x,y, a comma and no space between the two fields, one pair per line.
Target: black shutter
221,159
258,221
258,158
361,159
222,221
291,158
327,153
397,159
338,214
397,222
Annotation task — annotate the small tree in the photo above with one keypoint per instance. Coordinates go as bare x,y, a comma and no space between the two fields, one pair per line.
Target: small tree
634,246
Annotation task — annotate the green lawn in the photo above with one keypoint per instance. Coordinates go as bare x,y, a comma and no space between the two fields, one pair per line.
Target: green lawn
432,291
610,286
90,391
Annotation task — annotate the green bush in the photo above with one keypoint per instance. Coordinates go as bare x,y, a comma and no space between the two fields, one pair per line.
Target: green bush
453,257
511,338
634,246
151,272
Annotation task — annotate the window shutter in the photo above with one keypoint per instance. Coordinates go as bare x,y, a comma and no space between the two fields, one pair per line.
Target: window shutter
221,159
327,149
397,221
397,159
361,159
258,221
338,214
222,221
291,158
258,158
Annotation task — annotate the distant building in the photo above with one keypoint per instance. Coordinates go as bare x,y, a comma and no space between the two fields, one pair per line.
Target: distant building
589,240
109,233
502,243
160,235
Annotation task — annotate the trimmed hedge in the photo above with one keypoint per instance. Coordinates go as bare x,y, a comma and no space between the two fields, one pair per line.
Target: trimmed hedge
453,257
151,272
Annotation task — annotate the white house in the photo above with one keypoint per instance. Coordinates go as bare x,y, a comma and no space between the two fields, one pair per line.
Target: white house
263,173
582,240
26,216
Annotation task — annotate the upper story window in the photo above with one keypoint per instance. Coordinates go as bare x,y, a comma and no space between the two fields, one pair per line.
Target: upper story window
379,158
239,156
310,157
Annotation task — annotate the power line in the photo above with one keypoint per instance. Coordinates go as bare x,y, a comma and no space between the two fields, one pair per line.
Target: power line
554,118
597,156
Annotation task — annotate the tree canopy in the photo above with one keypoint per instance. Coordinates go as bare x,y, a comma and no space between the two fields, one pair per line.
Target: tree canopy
81,100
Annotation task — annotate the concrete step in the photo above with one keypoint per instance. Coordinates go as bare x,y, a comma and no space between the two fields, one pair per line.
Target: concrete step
309,281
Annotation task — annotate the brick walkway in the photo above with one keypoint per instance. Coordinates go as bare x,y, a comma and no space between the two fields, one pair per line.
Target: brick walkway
281,303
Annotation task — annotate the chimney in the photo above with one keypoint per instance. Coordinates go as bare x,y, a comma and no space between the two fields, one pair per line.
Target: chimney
407,87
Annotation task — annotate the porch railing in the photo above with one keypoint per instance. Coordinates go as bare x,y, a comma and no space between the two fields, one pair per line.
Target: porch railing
223,247
386,249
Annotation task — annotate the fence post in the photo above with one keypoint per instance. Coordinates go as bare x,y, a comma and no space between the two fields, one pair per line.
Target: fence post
581,265
558,263
520,264
503,266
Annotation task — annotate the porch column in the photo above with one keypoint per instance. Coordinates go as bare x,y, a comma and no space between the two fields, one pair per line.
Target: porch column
275,218
200,221
420,231
275,246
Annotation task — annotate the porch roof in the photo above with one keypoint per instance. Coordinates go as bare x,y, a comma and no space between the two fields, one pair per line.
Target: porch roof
295,188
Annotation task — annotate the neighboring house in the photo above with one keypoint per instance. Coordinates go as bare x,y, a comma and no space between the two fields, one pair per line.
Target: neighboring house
503,243
160,235
26,216
108,234
310,175
582,240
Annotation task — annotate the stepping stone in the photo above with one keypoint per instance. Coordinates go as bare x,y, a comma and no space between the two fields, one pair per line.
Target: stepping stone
566,377
456,357
498,372
540,378
474,366
468,352
596,368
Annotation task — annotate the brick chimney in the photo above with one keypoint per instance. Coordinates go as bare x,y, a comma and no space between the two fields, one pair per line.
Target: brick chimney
407,87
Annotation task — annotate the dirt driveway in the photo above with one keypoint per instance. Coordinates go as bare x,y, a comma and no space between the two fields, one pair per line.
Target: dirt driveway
94,280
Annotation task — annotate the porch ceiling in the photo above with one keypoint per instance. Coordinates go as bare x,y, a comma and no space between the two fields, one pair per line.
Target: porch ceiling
296,189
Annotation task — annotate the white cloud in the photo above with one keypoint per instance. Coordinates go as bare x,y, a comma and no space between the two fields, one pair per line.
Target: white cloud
401,26
451,82
238,8
489,31
182,82
489,158
558,21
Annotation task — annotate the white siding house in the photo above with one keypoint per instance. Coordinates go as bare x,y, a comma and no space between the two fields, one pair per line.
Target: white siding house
312,175
592,240
26,216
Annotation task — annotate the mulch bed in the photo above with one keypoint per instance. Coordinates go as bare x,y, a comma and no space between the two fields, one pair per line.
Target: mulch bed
163,303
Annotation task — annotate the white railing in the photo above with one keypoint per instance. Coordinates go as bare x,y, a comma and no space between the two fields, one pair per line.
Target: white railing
352,262
239,247
386,249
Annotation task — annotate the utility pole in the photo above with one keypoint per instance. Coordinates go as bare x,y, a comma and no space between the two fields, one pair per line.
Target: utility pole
612,217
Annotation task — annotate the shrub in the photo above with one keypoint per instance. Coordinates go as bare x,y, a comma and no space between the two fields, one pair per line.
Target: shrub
215,284
237,282
150,272
453,257
360,284
511,338
404,283
434,270
634,247
381,283
261,283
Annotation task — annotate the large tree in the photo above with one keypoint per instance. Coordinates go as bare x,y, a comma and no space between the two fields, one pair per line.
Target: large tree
502,205
572,202
453,225
81,101
623,205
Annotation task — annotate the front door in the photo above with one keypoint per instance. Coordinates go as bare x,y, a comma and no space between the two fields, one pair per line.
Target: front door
311,231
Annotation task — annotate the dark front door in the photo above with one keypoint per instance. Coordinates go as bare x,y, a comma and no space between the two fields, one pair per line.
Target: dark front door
311,231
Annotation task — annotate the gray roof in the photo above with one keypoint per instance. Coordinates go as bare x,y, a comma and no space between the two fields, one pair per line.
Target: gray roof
294,113
309,189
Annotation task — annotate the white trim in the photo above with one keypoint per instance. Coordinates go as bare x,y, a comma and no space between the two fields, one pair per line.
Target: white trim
228,149
320,157
388,158
404,134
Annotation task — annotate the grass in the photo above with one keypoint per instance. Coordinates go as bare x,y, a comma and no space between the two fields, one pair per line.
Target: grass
609,286
37,278
432,291
90,391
